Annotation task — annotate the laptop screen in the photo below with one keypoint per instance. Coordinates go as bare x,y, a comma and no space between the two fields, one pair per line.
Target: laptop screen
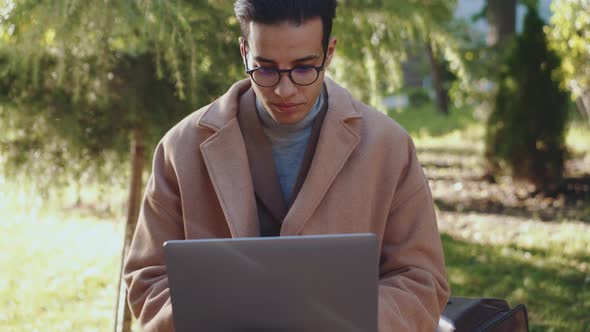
297,283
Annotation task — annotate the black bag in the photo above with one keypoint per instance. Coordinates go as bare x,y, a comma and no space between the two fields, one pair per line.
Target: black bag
482,315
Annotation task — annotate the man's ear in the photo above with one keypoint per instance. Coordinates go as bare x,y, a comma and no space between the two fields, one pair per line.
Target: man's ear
243,49
331,49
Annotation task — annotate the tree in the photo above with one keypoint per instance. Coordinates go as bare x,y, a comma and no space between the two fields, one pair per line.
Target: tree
377,36
437,71
69,64
569,36
526,130
501,15
81,46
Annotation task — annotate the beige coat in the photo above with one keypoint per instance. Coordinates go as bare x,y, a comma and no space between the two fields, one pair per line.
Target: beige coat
364,177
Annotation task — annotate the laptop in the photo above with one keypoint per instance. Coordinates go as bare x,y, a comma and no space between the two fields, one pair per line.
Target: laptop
292,283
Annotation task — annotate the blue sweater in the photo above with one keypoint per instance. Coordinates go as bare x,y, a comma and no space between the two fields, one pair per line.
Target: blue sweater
289,143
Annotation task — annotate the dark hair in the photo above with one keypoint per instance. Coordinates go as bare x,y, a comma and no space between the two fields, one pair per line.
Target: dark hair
278,11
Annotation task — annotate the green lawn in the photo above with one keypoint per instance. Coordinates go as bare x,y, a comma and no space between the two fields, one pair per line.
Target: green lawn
555,287
59,268
460,130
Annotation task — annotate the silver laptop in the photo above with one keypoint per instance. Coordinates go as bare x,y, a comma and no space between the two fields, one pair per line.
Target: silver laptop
295,283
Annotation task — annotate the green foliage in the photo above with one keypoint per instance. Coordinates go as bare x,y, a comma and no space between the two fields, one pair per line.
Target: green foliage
78,76
375,38
54,136
471,65
419,97
526,128
569,36
87,37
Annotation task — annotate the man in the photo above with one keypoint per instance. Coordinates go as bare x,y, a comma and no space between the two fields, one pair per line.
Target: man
290,152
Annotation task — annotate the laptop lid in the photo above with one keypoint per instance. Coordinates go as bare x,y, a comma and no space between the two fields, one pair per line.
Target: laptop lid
295,283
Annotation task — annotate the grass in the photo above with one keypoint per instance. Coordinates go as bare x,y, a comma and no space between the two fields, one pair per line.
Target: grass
460,130
59,266
61,274
436,132
554,286
426,121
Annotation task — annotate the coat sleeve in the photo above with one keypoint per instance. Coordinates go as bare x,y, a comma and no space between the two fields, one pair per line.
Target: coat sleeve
413,289
160,219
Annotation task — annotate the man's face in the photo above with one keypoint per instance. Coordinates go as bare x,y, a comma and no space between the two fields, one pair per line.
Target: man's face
285,46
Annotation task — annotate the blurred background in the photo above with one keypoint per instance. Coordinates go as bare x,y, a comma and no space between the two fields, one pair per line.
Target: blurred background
495,93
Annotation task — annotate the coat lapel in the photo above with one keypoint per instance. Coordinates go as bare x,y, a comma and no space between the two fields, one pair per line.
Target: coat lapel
226,160
264,175
339,137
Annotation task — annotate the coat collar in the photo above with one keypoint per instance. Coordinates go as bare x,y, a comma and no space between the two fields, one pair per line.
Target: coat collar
225,108
259,150
226,159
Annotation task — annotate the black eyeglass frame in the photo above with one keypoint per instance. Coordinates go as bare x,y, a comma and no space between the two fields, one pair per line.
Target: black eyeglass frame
280,72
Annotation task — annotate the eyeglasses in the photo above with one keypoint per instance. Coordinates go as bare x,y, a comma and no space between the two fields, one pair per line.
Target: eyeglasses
300,75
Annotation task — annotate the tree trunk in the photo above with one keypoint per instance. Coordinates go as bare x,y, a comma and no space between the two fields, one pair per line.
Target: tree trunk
501,16
442,98
123,316
583,105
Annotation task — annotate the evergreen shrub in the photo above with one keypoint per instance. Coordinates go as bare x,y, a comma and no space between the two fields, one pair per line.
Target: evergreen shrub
526,129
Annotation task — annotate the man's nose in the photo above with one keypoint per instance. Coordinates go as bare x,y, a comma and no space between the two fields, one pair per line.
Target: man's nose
286,88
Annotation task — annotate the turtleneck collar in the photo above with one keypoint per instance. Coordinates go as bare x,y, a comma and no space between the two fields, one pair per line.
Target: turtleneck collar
271,126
